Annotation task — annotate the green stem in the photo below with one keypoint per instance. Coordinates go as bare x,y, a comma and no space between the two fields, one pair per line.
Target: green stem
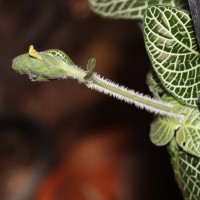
130,96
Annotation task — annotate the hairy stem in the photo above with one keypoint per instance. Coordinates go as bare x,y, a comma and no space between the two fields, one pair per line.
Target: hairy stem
130,96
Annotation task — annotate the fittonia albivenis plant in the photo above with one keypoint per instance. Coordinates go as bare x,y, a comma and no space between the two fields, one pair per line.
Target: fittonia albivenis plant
174,79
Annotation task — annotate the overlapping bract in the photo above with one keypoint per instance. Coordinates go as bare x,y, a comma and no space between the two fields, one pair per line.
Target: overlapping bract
52,65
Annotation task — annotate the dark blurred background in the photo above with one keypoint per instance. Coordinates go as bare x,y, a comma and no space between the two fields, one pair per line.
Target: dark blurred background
60,140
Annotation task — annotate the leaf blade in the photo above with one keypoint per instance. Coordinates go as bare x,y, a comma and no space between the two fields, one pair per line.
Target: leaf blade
188,136
162,130
187,171
171,43
128,9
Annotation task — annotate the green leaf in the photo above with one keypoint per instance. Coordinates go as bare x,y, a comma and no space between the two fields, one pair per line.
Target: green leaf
90,68
154,85
171,43
188,136
163,129
187,132
128,9
187,172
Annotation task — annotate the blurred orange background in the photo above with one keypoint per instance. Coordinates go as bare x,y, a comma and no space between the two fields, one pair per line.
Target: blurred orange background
59,140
